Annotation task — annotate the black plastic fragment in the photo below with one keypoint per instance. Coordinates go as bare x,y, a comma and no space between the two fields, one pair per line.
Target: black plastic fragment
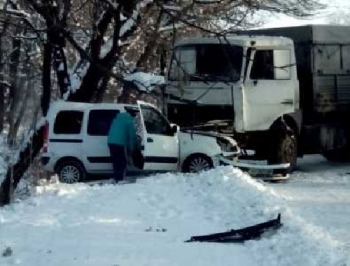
240,235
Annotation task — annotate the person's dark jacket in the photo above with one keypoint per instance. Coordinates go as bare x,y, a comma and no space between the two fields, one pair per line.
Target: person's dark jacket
122,132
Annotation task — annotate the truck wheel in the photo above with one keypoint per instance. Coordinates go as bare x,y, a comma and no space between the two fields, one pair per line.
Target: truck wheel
197,163
285,151
70,172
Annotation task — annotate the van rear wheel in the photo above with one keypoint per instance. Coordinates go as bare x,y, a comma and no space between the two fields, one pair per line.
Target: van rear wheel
70,172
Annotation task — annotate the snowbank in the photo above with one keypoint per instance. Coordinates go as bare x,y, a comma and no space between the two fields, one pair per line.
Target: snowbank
146,223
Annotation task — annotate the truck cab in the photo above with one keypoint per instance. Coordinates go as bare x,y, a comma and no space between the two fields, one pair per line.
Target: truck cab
250,80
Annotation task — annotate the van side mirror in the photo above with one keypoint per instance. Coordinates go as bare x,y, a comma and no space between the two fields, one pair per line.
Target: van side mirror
174,129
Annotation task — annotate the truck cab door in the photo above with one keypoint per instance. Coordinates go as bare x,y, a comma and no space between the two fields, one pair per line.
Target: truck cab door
160,141
270,88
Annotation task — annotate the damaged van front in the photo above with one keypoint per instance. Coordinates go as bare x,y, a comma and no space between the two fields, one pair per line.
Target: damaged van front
204,150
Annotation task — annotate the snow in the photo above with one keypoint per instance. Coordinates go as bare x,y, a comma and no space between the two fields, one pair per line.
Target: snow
145,81
114,5
171,8
14,12
76,78
128,24
60,67
147,222
172,27
320,192
106,48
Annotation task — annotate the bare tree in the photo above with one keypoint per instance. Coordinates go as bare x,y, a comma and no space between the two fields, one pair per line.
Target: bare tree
110,32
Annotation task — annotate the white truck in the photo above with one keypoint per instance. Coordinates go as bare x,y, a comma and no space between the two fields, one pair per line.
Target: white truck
284,92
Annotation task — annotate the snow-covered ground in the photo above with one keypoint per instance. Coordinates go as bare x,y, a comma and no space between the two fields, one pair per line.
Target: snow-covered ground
320,193
147,222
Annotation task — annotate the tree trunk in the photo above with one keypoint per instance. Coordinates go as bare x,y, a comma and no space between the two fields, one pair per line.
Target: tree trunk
45,98
88,86
3,83
15,89
24,104
2,104
58,44
15,172
26,156
2,90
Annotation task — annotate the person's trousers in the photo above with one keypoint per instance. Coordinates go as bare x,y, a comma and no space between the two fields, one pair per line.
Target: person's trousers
119,161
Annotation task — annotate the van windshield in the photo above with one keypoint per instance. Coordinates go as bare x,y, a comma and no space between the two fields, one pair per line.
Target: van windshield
206,62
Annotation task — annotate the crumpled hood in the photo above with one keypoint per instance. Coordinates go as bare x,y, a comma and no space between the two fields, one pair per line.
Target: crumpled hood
209,134
203,133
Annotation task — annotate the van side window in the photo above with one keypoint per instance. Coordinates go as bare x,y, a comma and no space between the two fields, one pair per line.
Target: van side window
155,123
68,122
100,121
262,65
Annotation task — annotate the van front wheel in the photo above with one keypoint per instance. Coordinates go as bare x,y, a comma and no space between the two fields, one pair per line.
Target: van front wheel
70,172
197,163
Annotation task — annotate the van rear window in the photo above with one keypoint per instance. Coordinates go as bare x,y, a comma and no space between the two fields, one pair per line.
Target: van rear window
100,121
68,122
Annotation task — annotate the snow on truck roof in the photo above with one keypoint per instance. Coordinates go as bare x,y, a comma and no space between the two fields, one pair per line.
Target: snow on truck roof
240,40
315,34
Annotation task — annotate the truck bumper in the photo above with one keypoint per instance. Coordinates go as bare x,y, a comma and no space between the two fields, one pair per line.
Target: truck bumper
266,172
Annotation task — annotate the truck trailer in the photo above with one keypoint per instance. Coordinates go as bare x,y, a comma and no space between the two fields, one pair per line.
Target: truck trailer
283,92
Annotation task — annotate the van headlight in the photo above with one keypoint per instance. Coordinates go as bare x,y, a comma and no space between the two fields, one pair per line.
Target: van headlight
226,145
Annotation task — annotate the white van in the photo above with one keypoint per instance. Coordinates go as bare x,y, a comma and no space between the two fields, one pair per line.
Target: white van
75,143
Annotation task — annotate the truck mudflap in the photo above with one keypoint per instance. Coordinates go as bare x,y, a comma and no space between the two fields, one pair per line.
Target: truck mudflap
273,172
241,235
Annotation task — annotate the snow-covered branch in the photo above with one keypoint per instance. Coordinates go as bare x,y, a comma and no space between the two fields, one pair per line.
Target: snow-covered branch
145,82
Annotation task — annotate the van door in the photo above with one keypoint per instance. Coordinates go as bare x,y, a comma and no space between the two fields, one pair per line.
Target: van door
269,90
96,151
161,145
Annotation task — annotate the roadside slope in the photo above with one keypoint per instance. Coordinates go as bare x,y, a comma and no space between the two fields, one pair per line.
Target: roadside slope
146,223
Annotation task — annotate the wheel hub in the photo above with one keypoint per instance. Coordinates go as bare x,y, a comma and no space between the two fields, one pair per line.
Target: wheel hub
199,164
289,151
70,174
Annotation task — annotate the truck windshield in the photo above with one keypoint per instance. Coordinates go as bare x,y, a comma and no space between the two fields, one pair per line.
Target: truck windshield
206,62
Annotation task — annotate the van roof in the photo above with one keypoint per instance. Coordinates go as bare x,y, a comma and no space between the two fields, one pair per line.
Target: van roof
77,105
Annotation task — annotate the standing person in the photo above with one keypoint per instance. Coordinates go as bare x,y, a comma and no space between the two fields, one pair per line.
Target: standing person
122,141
